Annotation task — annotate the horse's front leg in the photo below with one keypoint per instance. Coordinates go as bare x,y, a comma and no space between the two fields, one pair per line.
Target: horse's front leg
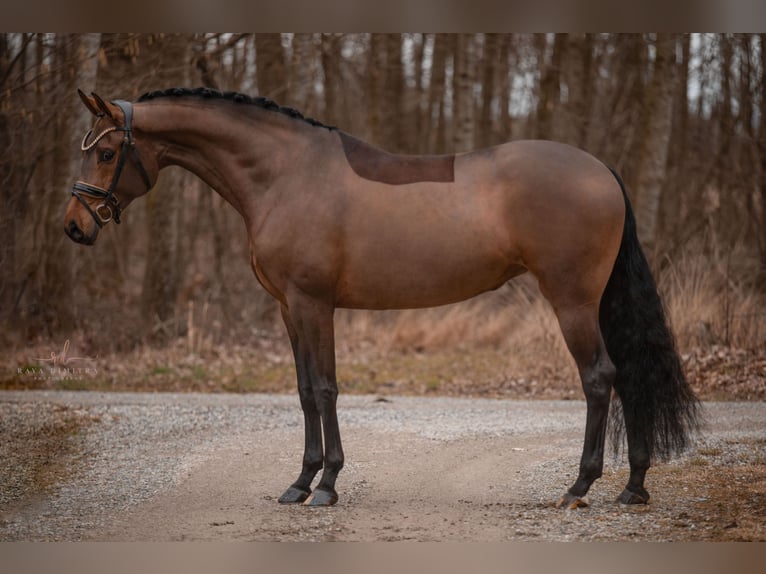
312,320
300,490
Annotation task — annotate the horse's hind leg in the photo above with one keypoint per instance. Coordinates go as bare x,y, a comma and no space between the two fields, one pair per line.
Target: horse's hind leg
639,460
582,333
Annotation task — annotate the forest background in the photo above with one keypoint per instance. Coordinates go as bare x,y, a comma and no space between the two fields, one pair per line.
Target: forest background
167,300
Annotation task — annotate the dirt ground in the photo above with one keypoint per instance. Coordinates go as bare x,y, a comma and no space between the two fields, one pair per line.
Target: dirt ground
167,467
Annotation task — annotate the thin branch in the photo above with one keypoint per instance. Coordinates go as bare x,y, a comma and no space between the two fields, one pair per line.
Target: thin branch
27,40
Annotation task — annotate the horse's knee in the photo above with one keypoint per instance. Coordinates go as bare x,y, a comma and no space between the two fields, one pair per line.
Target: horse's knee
326,397
308,403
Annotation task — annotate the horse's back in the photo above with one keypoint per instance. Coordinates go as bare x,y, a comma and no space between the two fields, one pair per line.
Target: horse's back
540,171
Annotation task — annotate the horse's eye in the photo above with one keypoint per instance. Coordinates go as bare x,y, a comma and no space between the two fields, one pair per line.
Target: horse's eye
106,155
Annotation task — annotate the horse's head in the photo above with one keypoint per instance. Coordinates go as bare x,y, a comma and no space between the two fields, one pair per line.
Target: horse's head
114,170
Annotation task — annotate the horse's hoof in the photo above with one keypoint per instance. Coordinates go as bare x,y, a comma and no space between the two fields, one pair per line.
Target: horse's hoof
630,497
294,495
321,497
572,502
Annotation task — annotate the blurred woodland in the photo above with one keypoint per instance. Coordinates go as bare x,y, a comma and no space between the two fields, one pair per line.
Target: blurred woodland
682,117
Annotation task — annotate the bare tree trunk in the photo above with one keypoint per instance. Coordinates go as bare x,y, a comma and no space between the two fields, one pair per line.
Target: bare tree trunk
41,262
463,83
158,295
578,71
671,215
19,158
376,62
655,139
393,139
436,89
505,87
48,277
491,58
385,91
549,94
413,134
270,68
303,73
9,190
749,152
762,154
331,56
727,160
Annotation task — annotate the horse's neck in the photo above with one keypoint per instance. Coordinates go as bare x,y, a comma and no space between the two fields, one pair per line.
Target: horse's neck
238,156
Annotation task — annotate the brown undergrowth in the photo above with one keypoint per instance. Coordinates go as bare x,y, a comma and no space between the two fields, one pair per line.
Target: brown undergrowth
502,344
724,494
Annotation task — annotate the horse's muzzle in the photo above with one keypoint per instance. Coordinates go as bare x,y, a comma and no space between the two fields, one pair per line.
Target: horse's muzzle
77,235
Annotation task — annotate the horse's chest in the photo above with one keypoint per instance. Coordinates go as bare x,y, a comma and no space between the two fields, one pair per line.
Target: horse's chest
263,278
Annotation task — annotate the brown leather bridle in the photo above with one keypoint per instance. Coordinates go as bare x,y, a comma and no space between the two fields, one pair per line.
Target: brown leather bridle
110,206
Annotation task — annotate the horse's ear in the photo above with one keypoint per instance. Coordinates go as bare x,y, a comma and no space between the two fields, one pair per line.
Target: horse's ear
90,103
102,105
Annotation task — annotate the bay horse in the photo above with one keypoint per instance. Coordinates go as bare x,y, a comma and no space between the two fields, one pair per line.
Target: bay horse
334,222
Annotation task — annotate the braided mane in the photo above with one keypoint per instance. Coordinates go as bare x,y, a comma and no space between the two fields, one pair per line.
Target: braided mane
208,93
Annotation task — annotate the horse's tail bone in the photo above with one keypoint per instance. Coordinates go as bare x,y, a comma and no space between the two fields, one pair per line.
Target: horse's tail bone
650,384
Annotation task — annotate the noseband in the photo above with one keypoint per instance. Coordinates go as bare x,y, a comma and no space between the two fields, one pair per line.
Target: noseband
110,207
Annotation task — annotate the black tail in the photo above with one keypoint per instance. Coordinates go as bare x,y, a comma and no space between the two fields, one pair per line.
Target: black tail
650,382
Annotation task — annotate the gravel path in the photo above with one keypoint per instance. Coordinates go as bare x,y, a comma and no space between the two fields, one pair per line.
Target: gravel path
113,466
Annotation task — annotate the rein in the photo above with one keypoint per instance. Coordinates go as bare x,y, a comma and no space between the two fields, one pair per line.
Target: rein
110,207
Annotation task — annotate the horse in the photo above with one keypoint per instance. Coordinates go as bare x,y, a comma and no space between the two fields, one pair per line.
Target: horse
335,222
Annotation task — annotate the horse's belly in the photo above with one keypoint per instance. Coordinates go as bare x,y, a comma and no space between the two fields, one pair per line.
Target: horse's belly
407,284
412,248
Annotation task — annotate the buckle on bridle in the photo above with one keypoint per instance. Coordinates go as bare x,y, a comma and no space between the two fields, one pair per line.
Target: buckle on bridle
104,219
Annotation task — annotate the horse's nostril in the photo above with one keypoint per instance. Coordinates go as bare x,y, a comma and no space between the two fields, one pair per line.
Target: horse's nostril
74,232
